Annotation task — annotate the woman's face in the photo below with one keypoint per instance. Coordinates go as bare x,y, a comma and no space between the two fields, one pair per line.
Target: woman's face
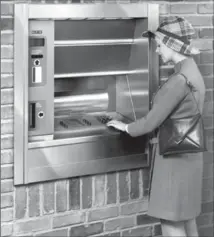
165,52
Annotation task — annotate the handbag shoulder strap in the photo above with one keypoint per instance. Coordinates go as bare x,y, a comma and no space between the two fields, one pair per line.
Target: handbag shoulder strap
190,87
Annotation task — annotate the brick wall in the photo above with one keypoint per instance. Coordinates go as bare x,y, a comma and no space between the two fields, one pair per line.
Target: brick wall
103,205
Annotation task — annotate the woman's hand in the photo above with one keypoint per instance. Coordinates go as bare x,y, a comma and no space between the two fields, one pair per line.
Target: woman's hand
117,124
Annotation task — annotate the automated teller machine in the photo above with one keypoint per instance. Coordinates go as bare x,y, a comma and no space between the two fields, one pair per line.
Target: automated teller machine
82,65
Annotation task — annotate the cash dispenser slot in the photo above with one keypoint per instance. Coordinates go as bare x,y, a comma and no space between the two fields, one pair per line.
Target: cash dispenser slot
32,115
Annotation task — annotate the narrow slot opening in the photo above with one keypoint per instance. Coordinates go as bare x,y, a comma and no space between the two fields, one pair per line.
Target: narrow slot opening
34,75
32,115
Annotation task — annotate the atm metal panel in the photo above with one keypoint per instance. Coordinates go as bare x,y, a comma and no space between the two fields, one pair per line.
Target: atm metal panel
98,65
91,157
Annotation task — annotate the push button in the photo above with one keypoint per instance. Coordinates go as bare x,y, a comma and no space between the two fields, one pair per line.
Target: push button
41,114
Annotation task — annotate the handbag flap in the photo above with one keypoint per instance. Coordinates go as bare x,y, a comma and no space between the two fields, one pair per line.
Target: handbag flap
183,127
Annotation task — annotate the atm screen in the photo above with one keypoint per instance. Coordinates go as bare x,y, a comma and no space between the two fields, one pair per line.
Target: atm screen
36,42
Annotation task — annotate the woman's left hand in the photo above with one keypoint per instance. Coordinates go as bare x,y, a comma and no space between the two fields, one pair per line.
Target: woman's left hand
117,124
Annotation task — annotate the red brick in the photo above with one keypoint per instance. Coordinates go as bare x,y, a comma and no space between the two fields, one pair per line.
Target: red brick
133,208
61,196
208,170
208,109
207,207
63,1
6,38
200,20
208,82
195,0
48,198
7,142
140,231
7,111
6,81
209,133
6,9
36,1
20,202
6,186
6,66
119,223
145,181
6,52
68,219
6,229
206,33
54,233
144,219
86,192
6,171
209,145
34,200
74,194
183,8
164,8
6,128
206,8
25,235
7,96
204,219
7,200
111,188
206,231
124,186
99,190
157,231
134,192
6,215
27,226
86,230
206,57
207,195
209,95
208,157
103,213
6,156
208,183
203,44
206,69
6,24
112,234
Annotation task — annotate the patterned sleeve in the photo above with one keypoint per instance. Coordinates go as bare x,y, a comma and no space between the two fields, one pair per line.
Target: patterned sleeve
175,92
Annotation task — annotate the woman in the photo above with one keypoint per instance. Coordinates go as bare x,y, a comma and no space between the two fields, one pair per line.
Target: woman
176,188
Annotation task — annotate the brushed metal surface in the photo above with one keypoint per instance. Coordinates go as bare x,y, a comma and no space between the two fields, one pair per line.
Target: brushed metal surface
91,167
43,94
103,155
93,30
94,59
20,91
93,102
84,11
99,73
97,42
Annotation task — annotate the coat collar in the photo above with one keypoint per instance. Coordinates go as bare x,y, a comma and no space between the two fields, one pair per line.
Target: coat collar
178,66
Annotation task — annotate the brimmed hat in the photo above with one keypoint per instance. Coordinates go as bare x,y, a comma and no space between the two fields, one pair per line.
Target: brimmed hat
176,33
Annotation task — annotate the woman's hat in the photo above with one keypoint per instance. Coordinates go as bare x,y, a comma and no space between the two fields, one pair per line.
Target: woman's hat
176,33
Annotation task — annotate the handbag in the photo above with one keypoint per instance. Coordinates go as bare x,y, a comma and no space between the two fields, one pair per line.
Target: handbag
182,135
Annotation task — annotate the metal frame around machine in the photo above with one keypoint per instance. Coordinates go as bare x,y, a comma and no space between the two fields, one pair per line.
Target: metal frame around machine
25,12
